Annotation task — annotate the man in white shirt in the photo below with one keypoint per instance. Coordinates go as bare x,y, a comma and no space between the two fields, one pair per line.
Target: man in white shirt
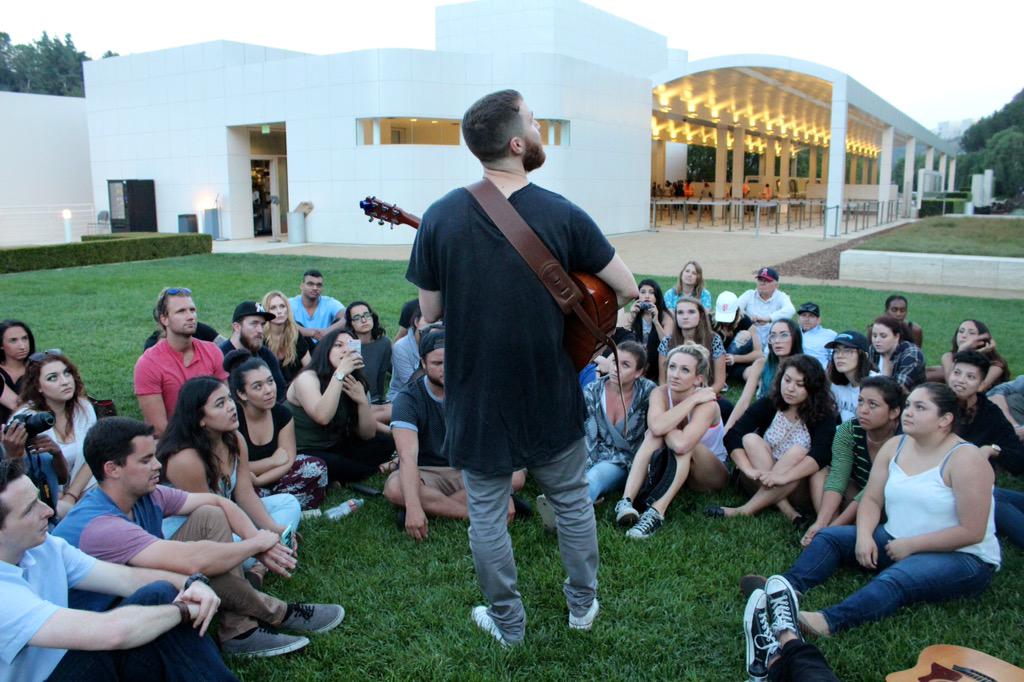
815,336
158,632
766,304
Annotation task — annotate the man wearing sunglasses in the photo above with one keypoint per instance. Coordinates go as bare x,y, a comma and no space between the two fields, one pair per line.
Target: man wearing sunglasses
162,370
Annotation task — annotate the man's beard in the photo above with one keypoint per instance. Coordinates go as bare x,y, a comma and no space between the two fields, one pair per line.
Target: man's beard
534,156
250,344
436,382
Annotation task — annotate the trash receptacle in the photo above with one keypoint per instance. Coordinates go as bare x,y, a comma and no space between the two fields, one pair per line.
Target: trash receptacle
296,227
188,222
211,222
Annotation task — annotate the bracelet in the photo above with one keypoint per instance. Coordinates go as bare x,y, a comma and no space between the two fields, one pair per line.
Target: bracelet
195,578
186,617
68,493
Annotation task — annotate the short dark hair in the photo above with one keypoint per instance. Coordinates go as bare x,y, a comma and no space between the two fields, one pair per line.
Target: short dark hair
945,400
975,358
895,297
892,391
11,468
490,123
312,272
110,440
636,350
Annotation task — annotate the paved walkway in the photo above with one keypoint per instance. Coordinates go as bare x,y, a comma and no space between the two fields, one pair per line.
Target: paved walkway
723,255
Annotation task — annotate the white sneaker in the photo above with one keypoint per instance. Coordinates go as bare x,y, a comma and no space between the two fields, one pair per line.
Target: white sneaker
484,621
585,621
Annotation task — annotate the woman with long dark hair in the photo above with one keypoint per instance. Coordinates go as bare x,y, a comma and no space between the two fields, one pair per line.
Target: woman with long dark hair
52,383
363,323
975,335
269,432
649,321
893,355
837,488
333,417
784,341
16,344
203,452
783,439
938,540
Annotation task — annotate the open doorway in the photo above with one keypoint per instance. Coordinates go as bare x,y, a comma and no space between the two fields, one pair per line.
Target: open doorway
268,162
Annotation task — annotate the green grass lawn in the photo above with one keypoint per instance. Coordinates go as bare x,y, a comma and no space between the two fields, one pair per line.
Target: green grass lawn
670,607
960,236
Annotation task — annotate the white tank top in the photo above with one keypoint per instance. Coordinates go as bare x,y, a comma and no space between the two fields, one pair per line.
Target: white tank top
713,439
923,503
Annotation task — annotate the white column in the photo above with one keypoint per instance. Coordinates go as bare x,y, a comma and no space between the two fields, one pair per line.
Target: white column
769,164
376,131
551,134
942,171
951,178
721,162
837,158
874,171
824,165
908,174
812,164
929,159
787,155
884,168
739,141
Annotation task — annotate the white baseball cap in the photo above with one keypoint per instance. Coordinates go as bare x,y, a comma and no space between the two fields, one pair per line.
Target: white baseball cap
725,307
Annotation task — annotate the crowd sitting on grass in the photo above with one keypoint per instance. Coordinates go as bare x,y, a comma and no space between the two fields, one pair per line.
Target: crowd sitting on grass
244,434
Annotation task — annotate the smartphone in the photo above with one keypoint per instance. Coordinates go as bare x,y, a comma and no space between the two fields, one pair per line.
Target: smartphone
355,346
286,536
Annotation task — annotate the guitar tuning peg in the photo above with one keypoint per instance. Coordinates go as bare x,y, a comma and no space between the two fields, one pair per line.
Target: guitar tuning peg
380,222
371,219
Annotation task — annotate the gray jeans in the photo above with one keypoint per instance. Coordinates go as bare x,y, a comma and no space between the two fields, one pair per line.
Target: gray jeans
563,480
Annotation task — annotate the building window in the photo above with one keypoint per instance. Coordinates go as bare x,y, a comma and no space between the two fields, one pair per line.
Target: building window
554,132
400,130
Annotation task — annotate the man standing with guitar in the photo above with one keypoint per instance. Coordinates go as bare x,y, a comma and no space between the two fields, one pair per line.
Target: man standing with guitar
512,397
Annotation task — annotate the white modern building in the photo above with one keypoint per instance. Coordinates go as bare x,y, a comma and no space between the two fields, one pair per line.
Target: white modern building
253,131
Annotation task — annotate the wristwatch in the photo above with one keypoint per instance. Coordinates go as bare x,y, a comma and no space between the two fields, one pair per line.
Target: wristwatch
195,578
339,376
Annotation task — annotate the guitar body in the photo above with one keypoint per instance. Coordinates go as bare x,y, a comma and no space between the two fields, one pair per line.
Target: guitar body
598,300
600,303
957,663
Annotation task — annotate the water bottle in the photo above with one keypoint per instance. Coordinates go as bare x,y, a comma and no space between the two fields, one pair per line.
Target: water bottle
343,509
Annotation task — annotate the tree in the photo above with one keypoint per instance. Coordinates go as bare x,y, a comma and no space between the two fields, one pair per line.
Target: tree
1010,116
48,66
1004,154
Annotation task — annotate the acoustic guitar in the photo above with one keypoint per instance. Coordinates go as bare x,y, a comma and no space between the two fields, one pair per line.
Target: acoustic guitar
598,300
948,662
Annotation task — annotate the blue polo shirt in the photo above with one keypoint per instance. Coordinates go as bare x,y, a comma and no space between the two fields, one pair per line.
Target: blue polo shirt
327,309
96,525
31,592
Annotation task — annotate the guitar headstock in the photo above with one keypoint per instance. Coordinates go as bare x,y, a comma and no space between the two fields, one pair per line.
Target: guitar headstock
384,212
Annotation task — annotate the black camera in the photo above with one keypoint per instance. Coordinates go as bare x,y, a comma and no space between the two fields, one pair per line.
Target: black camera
34,423
645,306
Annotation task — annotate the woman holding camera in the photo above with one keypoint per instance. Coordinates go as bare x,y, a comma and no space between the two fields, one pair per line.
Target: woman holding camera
649,321
334,421
51,383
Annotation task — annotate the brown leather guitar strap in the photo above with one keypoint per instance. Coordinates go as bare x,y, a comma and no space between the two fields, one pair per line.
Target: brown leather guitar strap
540,259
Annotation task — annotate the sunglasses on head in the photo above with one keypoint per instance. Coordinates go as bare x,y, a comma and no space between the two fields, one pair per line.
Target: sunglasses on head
42,355
178,291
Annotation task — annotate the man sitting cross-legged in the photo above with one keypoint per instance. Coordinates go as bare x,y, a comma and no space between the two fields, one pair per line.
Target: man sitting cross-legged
120,521
425,483
157,632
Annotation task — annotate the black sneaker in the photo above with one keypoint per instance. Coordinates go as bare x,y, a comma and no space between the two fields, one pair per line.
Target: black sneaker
522,507
400,519
312,617
783,604
649,523
761,643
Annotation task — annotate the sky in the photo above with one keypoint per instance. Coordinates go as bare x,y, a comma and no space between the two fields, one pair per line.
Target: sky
935,61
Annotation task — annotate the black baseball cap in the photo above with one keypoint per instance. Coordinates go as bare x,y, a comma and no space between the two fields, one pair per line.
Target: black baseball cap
849,339
431,339
767,273
250,309
811,308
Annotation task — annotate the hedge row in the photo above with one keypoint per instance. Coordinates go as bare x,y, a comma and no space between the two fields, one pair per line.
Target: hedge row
98,249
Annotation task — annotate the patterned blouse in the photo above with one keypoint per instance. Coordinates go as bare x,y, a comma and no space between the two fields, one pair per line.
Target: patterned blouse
607,442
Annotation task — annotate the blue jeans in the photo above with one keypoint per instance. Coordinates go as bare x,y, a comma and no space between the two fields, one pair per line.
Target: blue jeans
605,477
1009,515
929,576
178,655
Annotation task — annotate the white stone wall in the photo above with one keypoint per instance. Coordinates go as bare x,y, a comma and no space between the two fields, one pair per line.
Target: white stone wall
175,116
45,144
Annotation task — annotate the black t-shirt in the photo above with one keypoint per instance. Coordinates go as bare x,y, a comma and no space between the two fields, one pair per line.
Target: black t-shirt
291,370
280,416
267,356
990,427
417,409
408,310
511,392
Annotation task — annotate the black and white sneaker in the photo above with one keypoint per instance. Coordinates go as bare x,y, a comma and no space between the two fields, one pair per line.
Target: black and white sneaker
649,523
761,643
625,513
783,605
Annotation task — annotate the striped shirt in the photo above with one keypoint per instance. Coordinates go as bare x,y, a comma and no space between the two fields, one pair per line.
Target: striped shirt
850,458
